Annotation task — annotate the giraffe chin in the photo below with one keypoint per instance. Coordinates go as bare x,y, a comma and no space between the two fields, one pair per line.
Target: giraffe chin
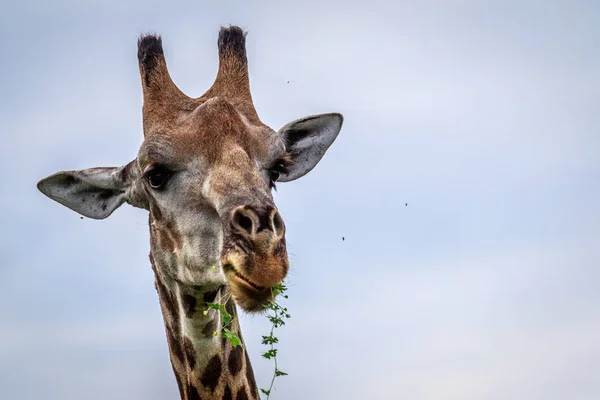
247,294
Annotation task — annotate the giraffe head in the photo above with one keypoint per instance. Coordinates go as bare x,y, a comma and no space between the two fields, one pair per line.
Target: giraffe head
205,172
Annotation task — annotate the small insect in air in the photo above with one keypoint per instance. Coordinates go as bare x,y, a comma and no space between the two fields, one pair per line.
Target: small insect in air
343,238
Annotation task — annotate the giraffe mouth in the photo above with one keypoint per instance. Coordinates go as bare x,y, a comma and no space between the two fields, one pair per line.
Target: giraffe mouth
249,295
251,277
240,276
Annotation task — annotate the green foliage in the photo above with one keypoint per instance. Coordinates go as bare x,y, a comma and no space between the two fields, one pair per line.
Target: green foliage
233,337
277,316
226,320
280,373
270,354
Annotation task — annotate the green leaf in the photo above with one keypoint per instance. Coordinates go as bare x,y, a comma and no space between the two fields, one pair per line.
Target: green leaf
270,354
216,306
226,318
232,337
280,373
278,289
275,320
269,339
267,392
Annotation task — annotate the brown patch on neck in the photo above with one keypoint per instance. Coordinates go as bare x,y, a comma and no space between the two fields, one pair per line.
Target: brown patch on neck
210,328
190,352
165,232
234,363
192,393
211,375
225,374
175,346
210,296
250,377
189,305
168,301
227,395
242,394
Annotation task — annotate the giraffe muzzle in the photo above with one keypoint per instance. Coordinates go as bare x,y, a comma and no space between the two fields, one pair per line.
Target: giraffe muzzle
254,254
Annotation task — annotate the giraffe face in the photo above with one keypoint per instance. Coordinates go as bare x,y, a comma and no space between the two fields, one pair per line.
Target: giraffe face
205,172
207,184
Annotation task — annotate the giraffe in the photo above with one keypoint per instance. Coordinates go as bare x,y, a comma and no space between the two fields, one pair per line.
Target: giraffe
205,173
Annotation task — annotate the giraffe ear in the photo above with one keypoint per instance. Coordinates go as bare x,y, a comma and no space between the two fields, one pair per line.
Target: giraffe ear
306,140
94,192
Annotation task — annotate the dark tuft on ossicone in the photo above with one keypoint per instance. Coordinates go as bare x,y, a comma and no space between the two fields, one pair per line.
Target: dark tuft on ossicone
233,39
149,49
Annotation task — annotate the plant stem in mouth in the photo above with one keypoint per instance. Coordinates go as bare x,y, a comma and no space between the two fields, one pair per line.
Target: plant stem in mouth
277,320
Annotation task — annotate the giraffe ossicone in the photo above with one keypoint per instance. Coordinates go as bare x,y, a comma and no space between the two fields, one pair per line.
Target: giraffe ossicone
205,172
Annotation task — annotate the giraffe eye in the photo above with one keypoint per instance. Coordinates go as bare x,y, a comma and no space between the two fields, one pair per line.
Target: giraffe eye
158,177
275,171
273,175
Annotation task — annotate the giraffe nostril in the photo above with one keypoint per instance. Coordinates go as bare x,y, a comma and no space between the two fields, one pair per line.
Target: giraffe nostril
242,221
278,225
250,221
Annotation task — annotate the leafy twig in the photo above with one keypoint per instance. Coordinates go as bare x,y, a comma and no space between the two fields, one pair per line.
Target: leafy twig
226,320
277,319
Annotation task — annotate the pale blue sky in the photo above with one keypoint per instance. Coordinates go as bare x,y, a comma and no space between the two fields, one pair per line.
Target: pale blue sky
482,116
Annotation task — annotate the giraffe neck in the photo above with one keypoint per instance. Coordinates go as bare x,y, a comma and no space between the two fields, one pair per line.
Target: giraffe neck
206,366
